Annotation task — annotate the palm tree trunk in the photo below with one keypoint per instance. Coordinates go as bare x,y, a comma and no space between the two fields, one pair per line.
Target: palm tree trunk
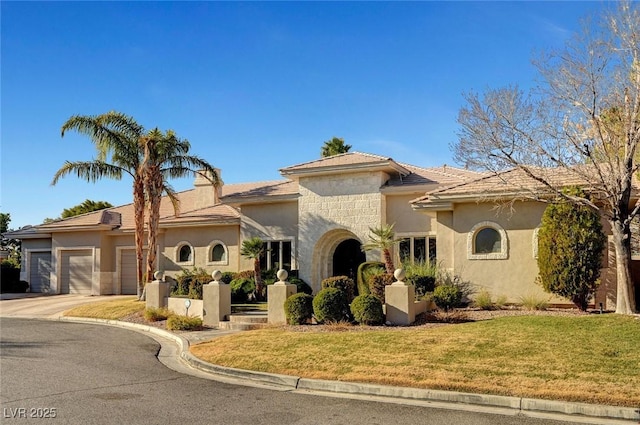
388,261
154,190
138,207
258,278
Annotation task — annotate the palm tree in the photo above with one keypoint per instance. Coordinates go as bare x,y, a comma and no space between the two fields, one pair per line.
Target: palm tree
382,238
125,141
254,249
117,135
335,146
167,156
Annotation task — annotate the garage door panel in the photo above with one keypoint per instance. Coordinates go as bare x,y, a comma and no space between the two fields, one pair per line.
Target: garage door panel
128,275
40,272
76,272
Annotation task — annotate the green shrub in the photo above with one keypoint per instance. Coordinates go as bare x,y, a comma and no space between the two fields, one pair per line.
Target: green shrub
298,308
184,323
10,278
189,282
466,288
331,305
377,284
227,277
534,302
483,300
154,314
367,310
570,246
364,273
422,275
343,283
241,288
447,296
301,285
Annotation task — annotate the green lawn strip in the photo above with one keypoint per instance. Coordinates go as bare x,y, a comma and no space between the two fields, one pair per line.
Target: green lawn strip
110,310
592,359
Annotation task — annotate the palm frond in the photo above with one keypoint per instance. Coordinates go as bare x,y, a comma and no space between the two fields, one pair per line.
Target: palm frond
90,171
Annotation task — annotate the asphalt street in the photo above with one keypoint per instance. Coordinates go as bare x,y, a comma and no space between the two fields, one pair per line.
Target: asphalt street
69,373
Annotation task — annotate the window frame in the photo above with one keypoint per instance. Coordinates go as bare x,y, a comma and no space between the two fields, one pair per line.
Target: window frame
503,254
269,247
211,247
178,248
411,237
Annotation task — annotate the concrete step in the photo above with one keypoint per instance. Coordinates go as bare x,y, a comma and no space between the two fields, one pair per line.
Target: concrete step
249,317
245,321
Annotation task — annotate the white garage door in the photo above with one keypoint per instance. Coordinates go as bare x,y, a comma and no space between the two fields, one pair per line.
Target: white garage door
76,272
39,271
128,278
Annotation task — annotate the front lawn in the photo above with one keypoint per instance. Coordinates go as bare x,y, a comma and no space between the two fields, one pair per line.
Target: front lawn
593,359
111,310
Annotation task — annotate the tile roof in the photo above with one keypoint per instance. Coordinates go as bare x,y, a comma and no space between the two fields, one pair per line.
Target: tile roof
344,161
243,191
510,182
443,175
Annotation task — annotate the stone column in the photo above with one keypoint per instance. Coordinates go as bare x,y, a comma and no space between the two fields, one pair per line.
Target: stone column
216,301
400,299
277,294
157,292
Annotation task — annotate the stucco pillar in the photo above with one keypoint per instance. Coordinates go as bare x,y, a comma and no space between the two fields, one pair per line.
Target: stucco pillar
400,299
277,294
157,292
216,301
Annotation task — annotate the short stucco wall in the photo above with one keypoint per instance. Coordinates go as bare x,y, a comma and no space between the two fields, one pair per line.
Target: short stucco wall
178,307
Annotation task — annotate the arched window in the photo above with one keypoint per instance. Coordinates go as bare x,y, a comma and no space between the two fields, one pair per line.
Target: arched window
487,241
218,254
184,253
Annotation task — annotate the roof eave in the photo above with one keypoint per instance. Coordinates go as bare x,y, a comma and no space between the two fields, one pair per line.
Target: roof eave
385,166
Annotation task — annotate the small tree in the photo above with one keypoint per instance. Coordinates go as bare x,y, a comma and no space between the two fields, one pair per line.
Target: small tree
254,249
382,238
570,245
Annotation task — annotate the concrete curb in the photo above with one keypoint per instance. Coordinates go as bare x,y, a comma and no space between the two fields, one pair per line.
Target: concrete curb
517,404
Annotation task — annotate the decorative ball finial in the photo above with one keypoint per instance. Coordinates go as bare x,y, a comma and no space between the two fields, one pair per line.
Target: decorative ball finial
282,275
158,275
399,274
216,275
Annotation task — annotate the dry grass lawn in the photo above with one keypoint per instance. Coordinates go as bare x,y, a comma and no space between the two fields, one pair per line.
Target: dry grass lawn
593,359
112,310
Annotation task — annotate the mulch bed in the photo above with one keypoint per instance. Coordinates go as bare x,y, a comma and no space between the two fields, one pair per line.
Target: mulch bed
430,320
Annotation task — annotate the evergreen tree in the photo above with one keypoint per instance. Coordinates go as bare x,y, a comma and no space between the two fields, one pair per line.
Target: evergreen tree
570,246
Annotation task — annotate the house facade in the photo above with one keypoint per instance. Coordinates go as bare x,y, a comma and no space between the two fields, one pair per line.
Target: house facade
314,220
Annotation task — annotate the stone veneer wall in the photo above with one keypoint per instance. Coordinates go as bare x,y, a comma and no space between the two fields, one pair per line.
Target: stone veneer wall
350,202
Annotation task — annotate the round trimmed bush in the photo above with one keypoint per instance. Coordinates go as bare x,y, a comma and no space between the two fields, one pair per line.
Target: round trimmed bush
367,310
343,283
298,308
331,305
447,296
301,285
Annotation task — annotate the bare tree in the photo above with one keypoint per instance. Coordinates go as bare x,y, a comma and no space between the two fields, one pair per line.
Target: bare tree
580,126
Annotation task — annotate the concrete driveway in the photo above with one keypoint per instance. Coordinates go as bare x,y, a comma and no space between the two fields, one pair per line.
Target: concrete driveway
46,306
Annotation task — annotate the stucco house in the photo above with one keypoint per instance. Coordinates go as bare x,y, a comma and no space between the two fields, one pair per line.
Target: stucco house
314,220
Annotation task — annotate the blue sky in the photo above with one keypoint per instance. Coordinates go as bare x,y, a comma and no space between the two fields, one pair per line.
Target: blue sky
254,86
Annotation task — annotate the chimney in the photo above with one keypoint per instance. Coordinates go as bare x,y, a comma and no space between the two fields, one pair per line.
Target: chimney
206,194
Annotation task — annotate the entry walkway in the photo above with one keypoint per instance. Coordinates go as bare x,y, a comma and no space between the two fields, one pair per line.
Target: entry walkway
42,306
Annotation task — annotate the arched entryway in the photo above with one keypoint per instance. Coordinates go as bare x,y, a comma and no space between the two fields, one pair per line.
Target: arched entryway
347,257
337,252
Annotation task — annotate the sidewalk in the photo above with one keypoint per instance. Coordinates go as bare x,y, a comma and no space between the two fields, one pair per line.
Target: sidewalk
175,354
